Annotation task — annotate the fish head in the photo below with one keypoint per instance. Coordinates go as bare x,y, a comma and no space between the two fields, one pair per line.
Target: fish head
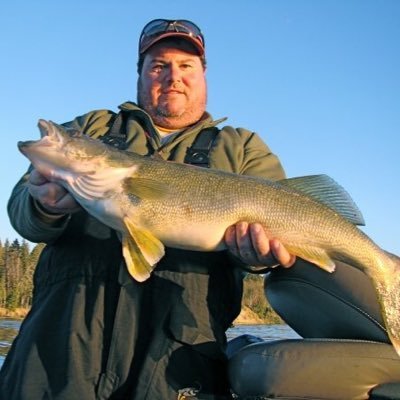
61,149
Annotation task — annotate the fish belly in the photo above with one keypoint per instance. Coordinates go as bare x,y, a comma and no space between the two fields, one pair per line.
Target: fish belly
197,237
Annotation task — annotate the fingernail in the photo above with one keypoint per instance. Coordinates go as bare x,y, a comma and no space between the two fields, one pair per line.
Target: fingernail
275,244
229,230
242,227
256,228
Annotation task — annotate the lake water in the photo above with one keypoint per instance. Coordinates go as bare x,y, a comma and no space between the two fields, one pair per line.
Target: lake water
9,329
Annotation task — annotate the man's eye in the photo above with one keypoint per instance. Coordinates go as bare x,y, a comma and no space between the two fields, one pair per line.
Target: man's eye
157,67
186,66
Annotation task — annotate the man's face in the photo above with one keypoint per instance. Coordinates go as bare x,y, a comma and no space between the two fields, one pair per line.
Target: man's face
172,86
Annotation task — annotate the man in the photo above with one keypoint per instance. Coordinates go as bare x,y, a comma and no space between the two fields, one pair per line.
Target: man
93,332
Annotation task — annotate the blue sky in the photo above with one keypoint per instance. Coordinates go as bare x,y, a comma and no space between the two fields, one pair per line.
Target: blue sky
317,79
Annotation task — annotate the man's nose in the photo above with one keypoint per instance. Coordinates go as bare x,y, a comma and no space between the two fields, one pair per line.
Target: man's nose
175,74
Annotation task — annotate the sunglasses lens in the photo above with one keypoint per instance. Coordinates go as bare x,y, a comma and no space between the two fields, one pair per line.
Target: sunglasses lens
154,27
188,27
160,26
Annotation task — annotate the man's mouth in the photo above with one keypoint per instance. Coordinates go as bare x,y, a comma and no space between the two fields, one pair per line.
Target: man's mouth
168,92
173,90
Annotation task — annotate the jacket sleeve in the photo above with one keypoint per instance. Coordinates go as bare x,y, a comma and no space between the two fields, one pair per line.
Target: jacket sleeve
93,124
29,220
26,216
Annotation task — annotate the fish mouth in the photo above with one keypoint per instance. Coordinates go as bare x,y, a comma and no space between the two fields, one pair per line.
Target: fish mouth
44,127
49,132
30,147
23,146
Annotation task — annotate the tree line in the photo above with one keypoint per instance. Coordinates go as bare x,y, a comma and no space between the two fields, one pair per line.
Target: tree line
18,262
254,298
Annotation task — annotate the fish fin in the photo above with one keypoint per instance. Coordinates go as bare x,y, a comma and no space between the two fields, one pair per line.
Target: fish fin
328,192
386,279
314,255
395,259
391,305
142,251
145,188
136,264
395,342
157,156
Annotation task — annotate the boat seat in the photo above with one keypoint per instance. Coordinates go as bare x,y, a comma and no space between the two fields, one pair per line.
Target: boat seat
345,353
389,391
320,369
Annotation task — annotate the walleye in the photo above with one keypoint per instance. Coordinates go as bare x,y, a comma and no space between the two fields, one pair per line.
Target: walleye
154,203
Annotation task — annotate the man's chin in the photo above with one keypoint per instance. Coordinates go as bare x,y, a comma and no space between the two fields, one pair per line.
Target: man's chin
171,112
173,121
176,118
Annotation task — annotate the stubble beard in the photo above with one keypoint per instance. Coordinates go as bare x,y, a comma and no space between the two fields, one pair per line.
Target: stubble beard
164,117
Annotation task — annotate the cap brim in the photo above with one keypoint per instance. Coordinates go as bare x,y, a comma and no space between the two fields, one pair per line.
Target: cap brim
195,42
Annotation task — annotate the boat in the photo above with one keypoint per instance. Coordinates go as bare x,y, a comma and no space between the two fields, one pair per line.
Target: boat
323,369
343,352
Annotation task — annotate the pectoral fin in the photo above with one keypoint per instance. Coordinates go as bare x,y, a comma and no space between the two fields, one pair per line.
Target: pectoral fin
145,188
313,255
141,250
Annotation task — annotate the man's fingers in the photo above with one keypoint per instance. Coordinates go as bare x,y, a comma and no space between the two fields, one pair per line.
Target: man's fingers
243,241
53,198
35,178
230,239
284,258
250,243
260,244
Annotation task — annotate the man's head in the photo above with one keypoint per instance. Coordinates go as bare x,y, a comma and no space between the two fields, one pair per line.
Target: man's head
171,84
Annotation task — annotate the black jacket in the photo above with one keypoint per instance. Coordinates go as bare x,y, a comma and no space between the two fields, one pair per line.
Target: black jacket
93,332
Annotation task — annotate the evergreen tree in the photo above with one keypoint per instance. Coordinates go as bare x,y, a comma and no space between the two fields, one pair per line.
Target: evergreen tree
25,287
13,274
17,265
2,276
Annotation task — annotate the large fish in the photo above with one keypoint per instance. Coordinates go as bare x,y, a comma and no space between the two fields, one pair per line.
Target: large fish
153,203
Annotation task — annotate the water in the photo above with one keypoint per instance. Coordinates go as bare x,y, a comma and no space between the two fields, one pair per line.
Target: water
9,329
265,332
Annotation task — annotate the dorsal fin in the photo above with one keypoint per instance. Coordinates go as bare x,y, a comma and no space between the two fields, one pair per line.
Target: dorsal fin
325,190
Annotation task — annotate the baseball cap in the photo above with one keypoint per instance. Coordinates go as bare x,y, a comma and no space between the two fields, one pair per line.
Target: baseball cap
159,29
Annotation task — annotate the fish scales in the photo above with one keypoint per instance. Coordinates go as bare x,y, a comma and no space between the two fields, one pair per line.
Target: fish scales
153,203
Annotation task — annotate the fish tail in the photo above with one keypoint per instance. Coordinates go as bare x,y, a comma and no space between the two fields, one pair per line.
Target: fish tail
389,294
395,260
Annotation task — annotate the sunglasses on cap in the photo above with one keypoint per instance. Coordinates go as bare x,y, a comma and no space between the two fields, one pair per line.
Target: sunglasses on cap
158,29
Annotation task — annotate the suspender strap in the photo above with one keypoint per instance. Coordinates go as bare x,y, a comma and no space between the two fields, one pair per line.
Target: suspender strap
199,152
117,134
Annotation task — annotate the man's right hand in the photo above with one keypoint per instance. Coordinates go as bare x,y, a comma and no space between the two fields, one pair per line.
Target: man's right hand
52,197
250,243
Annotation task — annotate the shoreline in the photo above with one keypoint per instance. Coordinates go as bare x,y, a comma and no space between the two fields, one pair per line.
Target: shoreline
18,313
246,316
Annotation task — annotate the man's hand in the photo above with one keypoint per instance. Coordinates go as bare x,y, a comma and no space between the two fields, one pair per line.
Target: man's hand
52,197
250,244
